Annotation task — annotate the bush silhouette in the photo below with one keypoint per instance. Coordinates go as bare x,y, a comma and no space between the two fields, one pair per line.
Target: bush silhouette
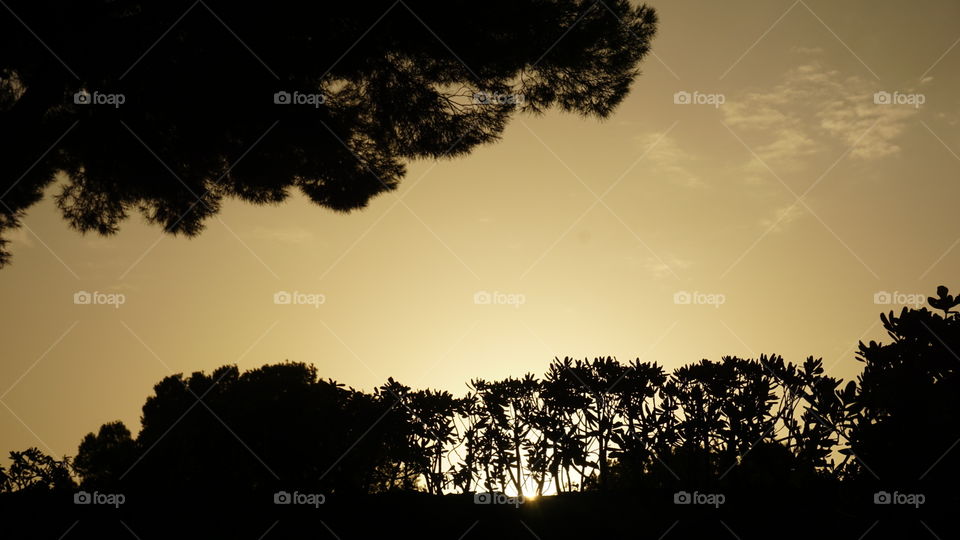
754,430
906,416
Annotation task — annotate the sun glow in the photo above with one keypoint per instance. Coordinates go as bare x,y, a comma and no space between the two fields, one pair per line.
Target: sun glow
530,491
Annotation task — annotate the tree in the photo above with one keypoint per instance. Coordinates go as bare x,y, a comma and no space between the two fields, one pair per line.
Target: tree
812,411
650,425
509,406
103,458
563,423
724,410
600,381
427,432
31,470
906,412
274,427
224,99
432,417
406,462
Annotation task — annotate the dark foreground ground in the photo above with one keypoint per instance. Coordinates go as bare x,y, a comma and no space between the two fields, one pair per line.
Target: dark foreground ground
768,515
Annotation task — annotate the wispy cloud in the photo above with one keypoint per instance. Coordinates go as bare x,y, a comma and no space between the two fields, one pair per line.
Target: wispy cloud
782,217
807,50
667,266
814,110
19,237
667,160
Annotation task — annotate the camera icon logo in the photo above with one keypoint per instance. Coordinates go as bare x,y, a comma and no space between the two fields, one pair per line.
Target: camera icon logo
281,98
882,297
482,498
682,98
882,98
81,497
82,97
682,497
282,297
82,297
481,98
482,298
882,497
682,297
281,497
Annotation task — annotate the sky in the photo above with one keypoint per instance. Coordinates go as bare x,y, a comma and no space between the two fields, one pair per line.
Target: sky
781,173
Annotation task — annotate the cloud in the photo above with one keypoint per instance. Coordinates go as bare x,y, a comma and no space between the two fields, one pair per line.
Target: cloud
871,130
814,110
667,266
19,237
661,265
665,158
790,150
782,217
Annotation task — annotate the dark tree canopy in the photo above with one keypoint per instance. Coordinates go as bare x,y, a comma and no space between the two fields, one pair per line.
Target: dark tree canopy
198,120
907,418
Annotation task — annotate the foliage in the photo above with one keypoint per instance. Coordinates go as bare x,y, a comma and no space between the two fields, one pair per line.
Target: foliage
199,123
586,425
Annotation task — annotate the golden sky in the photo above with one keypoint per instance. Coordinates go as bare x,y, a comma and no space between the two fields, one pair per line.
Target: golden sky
785,200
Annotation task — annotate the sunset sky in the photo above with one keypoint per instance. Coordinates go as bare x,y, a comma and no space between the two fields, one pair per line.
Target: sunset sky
783,206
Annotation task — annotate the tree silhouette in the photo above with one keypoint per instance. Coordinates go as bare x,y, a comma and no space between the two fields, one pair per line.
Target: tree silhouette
33,471
599,380
905,417
650,422
103,458
389,82
405,462
508,406
564,401
466,473
249,431
765,432
428,430
433,413
811,410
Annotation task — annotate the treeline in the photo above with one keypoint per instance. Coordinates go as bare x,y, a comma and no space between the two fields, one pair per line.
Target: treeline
584,425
